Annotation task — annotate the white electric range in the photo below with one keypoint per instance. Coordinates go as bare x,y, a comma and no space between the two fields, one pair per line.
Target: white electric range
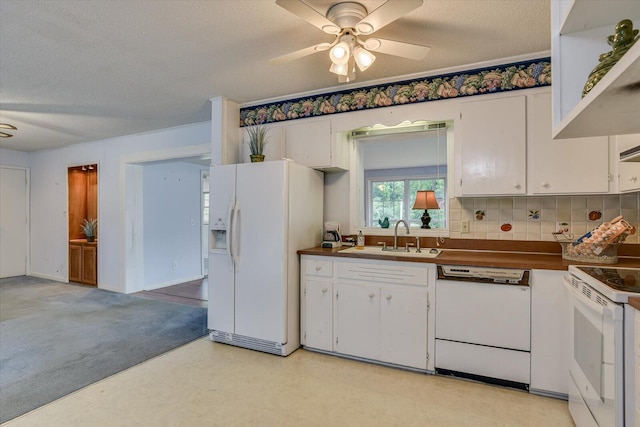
601,385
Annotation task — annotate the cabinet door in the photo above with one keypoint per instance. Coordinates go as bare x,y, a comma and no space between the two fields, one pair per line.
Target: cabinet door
578,165
358,320
90,264
318,302
494,147
549,332
75,263
403,325
629,173
309,143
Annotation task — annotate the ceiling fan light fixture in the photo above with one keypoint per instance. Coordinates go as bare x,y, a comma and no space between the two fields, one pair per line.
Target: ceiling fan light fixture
351,72
340,53
364,28
341,69
331,29
363,58
372,44
7,126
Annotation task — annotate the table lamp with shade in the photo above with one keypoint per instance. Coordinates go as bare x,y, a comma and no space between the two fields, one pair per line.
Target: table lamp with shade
426,199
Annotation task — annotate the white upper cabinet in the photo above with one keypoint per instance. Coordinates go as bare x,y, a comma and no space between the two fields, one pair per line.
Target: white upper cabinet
563,166
494,147
579,36
311,143
628,170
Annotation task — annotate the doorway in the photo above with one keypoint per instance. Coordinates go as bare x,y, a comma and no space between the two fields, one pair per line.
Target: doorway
14,221
82,184
157,254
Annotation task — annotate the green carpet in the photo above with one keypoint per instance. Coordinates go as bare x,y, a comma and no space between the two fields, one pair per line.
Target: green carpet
56,338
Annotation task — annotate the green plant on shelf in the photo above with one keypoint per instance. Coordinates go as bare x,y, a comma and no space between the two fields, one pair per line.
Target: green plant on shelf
89,228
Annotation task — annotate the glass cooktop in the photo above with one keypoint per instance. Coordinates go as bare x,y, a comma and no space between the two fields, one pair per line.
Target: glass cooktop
621,279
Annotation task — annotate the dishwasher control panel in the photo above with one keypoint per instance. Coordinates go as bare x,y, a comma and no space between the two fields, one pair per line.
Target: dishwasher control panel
512,276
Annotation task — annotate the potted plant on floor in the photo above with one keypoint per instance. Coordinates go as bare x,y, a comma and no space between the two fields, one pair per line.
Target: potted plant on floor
89,228
258,136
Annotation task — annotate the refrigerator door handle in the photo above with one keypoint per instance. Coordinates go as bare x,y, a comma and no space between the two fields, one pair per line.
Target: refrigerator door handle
236,237
230,218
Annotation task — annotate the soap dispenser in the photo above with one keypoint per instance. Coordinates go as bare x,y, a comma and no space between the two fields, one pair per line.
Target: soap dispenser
360,242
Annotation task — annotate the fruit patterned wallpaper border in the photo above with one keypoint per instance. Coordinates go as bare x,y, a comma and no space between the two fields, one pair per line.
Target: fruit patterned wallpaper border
479,81
535,218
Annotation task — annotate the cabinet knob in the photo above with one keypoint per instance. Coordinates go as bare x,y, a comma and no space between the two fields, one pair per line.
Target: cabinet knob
516,186
324,290
633,179
318,268
545,185
389,297
371,295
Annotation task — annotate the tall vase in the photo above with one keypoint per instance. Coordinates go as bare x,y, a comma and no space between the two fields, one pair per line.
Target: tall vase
257,158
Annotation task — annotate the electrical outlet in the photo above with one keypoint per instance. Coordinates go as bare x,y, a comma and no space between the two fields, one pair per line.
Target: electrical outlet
465,226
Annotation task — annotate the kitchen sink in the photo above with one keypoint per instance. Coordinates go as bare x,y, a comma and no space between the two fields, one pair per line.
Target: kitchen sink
377,250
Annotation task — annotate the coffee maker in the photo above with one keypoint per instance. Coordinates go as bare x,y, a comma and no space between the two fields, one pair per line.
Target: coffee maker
332,238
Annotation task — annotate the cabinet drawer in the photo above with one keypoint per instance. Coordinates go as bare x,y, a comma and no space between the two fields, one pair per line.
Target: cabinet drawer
317,267
383,273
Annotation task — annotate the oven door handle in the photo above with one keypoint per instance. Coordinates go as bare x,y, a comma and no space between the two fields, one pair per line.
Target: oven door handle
589,303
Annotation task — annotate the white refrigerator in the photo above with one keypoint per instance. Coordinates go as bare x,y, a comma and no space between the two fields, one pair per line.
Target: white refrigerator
261,215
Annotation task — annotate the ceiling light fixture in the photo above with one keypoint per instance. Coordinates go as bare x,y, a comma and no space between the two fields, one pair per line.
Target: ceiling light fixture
340,53
363,58
6,126
346,54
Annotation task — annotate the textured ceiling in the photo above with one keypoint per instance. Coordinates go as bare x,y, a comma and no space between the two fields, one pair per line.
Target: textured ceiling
78,71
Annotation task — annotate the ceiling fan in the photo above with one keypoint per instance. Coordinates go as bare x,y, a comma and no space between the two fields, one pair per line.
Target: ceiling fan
348,21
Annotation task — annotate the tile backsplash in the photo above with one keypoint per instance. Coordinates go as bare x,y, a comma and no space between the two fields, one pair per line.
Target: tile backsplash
535,218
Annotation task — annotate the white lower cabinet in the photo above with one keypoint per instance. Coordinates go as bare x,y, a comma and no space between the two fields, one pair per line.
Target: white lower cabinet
385,323
358,320
549,333
403,325
318,300
378,310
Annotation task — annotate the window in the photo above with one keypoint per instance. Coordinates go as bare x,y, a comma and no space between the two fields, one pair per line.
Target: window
390,164
393,198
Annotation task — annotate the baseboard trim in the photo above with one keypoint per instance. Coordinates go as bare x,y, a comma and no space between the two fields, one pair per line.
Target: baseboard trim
48,277
172,282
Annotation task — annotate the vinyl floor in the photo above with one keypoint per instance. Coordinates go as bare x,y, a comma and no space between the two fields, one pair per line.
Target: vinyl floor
211,384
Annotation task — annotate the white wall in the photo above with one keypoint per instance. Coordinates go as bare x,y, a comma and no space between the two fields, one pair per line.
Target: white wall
49,224
14,158
171,218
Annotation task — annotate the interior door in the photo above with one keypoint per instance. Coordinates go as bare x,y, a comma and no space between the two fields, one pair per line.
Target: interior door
13,222
260,233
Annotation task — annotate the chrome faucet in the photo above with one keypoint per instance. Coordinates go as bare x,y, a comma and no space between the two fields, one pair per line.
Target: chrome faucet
395,233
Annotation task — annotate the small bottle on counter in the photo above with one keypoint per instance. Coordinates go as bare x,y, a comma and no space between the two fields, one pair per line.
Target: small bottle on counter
360,243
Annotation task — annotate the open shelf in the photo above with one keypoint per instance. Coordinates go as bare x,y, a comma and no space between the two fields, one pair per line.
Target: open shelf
584,15
612,107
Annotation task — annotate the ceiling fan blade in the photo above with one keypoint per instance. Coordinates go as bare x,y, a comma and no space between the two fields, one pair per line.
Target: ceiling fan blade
297,7
386,14
300,53
390,47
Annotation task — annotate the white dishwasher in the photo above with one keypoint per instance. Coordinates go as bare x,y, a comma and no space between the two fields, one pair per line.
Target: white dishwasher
483,324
